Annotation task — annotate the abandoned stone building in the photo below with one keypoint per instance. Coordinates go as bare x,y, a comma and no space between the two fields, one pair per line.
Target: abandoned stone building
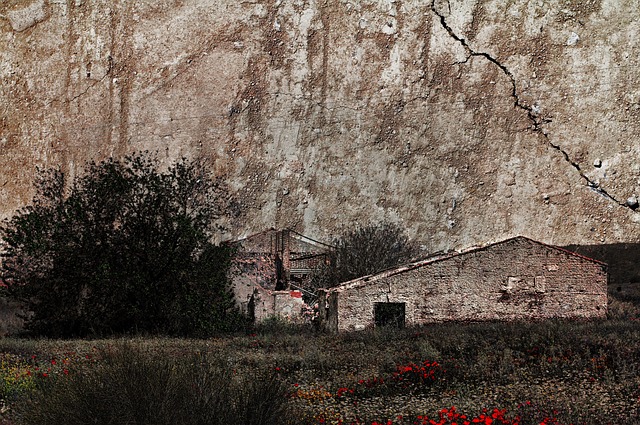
271,271
518,278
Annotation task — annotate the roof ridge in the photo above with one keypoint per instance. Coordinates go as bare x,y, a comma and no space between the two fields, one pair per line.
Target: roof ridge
308,239
414,265
565,250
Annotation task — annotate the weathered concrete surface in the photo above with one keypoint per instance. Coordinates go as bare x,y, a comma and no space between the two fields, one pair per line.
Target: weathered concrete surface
467,121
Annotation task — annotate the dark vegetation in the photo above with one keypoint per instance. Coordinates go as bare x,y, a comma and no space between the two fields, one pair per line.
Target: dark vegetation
122,248
125,248
126,384
366,250
564,371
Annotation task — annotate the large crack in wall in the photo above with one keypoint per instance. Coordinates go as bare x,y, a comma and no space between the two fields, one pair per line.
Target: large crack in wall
537,121
439,122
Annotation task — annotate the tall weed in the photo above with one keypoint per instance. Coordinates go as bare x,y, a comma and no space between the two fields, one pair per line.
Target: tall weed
131,386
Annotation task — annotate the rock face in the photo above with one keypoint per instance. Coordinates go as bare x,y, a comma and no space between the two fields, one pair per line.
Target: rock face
466,121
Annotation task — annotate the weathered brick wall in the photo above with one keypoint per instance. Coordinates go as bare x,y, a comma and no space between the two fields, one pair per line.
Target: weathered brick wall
517,279
255,263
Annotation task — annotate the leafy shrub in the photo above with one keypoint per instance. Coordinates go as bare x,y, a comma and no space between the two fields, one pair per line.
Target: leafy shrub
122,248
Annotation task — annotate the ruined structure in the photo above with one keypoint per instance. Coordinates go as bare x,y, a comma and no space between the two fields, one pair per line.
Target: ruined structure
271,271
518,278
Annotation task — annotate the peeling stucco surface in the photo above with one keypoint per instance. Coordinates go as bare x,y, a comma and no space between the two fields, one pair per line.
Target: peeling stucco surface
468,121
26,17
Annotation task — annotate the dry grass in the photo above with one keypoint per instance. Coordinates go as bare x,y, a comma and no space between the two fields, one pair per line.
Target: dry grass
578,372
587,372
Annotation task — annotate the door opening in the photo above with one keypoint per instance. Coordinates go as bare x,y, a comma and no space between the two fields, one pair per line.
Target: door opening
389,314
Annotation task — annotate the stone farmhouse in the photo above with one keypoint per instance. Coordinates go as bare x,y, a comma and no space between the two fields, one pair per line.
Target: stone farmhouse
516,279
271,270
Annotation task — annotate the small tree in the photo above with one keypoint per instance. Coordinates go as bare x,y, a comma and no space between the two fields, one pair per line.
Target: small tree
366,250
123,248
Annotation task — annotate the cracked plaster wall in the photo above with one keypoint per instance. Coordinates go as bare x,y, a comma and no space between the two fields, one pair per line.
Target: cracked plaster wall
466,121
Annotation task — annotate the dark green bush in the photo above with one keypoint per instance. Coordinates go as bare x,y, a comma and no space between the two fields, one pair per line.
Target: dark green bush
129,386
123,248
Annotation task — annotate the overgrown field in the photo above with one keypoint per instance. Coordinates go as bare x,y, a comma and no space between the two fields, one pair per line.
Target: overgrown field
554,372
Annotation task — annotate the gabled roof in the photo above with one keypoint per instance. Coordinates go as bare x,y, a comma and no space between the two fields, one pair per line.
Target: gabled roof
308,240
440,257
292,234
252,236
564,250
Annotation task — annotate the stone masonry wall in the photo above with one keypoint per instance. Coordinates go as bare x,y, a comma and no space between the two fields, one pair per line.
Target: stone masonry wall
286,305
249,273
518,279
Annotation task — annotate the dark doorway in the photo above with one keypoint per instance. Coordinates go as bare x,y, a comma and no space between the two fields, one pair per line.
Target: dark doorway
389,314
